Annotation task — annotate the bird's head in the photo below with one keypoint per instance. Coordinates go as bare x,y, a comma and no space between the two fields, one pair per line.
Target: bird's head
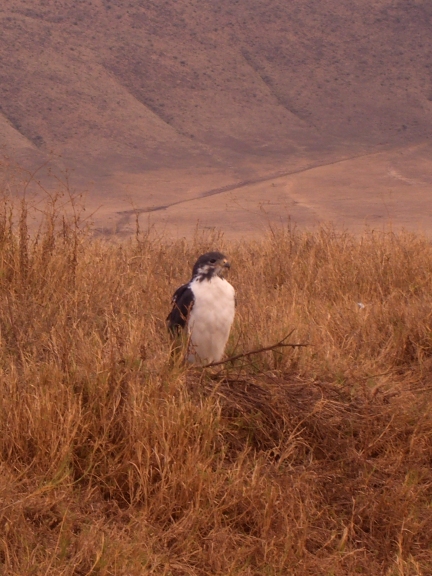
209,265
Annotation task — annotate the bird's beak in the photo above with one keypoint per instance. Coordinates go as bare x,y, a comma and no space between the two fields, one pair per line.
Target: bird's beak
226,264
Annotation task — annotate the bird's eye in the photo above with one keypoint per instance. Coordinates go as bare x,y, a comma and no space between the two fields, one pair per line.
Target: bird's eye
213,261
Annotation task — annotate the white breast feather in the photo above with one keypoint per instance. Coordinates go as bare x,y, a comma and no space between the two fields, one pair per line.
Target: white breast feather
210,319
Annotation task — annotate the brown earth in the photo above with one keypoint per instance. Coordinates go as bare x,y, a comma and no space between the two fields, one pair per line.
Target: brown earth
230,113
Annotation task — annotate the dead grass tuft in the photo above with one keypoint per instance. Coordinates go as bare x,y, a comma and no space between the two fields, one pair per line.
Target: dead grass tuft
115,459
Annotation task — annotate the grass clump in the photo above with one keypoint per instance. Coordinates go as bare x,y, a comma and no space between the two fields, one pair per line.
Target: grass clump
115,459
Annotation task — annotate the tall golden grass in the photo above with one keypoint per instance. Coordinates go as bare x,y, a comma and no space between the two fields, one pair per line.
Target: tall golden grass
116,458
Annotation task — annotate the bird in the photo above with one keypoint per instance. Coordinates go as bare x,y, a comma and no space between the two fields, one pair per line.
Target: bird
205,307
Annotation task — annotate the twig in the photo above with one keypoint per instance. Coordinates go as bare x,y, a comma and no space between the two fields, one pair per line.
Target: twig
280,344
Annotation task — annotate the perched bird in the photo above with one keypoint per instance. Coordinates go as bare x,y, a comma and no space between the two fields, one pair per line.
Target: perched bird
206,307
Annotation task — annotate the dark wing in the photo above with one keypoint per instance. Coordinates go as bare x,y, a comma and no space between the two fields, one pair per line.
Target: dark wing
182,302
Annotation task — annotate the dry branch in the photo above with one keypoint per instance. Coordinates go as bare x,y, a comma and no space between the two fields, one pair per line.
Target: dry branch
280,344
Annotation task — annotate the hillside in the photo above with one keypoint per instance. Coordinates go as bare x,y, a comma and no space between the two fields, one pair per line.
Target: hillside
123,94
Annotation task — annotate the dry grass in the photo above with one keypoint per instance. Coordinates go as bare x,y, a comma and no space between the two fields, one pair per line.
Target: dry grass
116,459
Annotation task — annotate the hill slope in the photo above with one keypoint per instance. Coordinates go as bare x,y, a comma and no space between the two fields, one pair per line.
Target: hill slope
234,87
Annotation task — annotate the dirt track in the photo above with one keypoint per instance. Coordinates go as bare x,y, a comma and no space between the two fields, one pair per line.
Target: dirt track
389,188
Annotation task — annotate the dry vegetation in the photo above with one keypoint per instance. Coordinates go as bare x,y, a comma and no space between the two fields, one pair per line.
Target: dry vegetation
116,459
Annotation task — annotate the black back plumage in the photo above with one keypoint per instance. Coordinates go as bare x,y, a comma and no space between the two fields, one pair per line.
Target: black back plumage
182,302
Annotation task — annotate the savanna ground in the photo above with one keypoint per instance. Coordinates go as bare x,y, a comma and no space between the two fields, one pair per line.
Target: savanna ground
118,459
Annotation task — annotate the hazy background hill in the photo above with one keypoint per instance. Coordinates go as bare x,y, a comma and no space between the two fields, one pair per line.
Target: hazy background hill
156,103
